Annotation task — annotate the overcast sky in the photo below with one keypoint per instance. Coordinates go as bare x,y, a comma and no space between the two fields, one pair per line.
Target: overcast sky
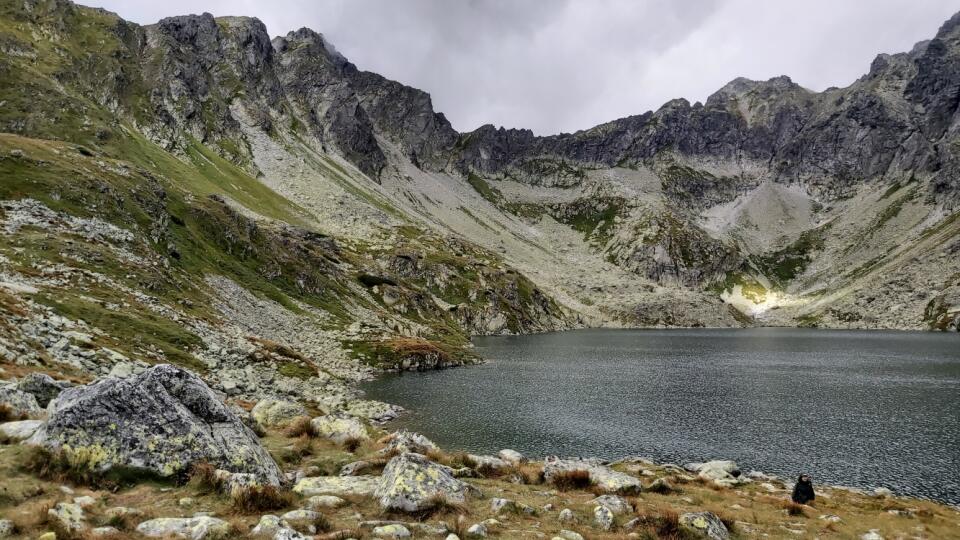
564,65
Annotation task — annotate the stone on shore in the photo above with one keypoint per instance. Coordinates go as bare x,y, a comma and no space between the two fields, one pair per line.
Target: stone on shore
511,456
705,524
411,483
338,429
276,412
602,477
195,528
163,420
720,472
404,441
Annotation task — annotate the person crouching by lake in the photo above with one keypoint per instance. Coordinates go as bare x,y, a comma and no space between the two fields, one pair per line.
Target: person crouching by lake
803,490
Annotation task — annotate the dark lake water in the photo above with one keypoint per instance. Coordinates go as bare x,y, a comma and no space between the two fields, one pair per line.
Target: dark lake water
863,409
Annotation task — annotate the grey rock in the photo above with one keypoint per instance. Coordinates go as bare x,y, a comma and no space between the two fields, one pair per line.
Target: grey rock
477,530
391,531
411,482
407,441
42,386
20,403
603,517
20,430
338,429
162,420
276,412
705,524
618,505
342,486
601,476
194,528
69,516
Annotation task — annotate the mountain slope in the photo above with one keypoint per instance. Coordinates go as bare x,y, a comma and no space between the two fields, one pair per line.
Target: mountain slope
261,209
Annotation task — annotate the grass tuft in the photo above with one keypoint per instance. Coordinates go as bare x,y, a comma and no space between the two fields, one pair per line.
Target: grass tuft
571,480
258,499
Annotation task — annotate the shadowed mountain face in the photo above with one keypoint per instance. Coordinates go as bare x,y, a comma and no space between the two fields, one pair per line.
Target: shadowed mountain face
769,203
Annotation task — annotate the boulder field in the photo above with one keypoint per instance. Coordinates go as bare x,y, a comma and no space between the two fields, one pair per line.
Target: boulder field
158,454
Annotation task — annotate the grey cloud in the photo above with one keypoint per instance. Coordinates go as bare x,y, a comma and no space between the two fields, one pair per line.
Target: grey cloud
565,65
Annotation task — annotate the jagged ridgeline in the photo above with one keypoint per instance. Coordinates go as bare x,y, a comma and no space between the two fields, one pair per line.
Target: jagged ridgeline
198,192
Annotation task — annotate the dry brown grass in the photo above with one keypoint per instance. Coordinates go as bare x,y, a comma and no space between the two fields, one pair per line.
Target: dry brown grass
203,478
663,525
353,444
413,346
259,499
299,427
571,480
794,509
7,414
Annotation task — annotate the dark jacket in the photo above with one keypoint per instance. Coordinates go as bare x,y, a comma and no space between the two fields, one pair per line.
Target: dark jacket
803,492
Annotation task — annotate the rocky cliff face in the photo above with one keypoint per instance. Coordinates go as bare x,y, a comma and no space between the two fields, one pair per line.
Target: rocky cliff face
790,206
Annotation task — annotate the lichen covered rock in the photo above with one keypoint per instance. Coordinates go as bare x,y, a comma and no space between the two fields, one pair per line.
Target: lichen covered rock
337,485
602,477
162,420
277,412
705,524
411,483
19,402
338,429
195,528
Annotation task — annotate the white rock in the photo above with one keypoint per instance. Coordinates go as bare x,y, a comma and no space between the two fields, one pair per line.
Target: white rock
276,412
337,485
104,531
618,505
874,534
391,531
566,516
570,535
338,429
85,501
195,528
477,530
511,456
19,431
324,501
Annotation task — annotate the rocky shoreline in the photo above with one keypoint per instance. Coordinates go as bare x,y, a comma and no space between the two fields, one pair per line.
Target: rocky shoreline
222,468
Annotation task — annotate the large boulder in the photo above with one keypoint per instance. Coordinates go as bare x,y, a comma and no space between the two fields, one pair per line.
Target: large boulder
602,477
411,483
277,412
705,525
163,420
338,429
42,386
17,402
